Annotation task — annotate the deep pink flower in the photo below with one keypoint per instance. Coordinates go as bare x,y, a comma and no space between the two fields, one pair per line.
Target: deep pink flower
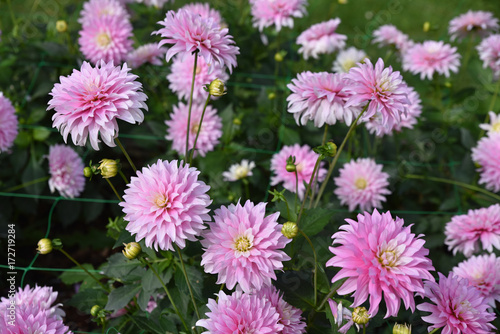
290,317
166,204
429,57
348,58
204,10
320,97
389,35
487,155
66,171
8,123
88,102
305,160
244,246
321,38
362,183
32,318
210,132
95,9
489,53
473,22
379,255
189,32
465,233
456,307
147,53
278,12
482,272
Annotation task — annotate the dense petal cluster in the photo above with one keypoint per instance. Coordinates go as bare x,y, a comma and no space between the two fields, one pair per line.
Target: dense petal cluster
473,22
348,58
380,257
305,160
494,125
489,53
147,53
290,317
362,183
244,246
88,103
239,171
166,204
278,12
204,10
96,9
429,57
465,233
456,307
66,171
321,38
389,35
8,123
42,296
487,155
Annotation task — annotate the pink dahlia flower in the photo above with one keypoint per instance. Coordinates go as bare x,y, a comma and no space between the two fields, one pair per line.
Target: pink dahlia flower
320,97
487,155
147,53
189,32
244,246
389,35
489,53
321,38
88,102
204,10
290,317
42,296
482,272
381,88
278,12
95,9
8,123
380,257
494,126
31,318
456,307
165,204
362,183
66,171
305,159
464,233
346,59
240,313
429,57
210,132
154,3
473,22
181,76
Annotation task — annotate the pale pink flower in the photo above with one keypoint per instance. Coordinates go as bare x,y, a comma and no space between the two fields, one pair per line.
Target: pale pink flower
166,204
473,22
66,171
380,257
189,32
456,307
381,88
489,53
244,246
482,272
42,296
88,102
389,35
429,57
305,159
341,314
204,10
8,123
32,318
239,171
181,76
487,155
278,12
210,132
95,9
147,53
290,317
321,38
346,59
494,125
465,233
240,313
362,183
320,97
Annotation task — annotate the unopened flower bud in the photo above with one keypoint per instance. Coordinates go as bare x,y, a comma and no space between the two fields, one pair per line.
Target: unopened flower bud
44,246
87,172
237,121
427,26
401,329
360,315
290,164
290,230
342,2
279,57
331,148
61,26
271,96
217,88
132,250
94,311
109,168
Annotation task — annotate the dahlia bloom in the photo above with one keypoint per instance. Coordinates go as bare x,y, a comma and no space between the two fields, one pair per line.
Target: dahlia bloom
321,38
389,35
189,32
278,12
305,159
379,255
456,307
204,10
66,171
464,233
473,22
494,126
32,318
95,9
489,53
362,183
429,57
348,58
240,313
8,123
88,102
487,155
181,76
239,171
290,317
166,204
244,246
42,296
320,97
147,53
210,132
482,272
382,88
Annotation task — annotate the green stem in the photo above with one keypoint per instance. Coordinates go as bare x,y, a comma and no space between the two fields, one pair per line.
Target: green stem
126,154
13,18
296,189
315,268
114,190
191,104
123,176
364,328
26,184
84,269
247,190
316,165
178,250
434,330
199,128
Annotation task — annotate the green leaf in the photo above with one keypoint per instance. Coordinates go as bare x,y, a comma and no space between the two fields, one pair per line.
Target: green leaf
85,299
121,268
40,133
120,297
288,136
23,139
195,278
314,221
124,237
150,282
145,323
76,274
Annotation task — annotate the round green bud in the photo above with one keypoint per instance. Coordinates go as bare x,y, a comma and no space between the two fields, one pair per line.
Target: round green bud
87,172
94,311
290,230
360,315
401,329
109,168
61,26
217,88
278,57
44,246
132,250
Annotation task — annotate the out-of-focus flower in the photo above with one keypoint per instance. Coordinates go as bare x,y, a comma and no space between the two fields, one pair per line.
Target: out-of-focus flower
66,171
88,102
348,58
204,10
96,9
290,317
487,155
8,123
61,26
473,22
154,3
321,38
494,126
489,53
166,204
148,53
239,171
276,12
380,257
389,35
429,57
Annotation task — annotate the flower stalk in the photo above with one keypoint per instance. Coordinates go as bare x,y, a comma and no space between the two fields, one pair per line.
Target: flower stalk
191,105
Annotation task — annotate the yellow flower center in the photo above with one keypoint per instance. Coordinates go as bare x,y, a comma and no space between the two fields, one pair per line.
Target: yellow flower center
161,201
194,128
348,64
242,244
360,183
388,258
299,167
241,172
495,127
103,39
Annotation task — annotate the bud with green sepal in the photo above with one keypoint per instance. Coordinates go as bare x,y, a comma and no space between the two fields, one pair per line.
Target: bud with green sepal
326,151
216,88
132,250
109,168
290,164
290,230
401,329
